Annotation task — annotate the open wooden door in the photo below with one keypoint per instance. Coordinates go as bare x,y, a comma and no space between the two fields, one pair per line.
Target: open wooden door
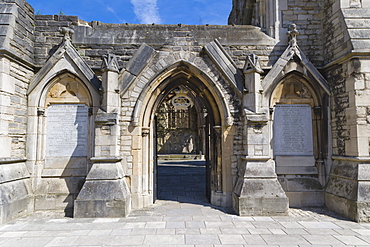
155,161
208,156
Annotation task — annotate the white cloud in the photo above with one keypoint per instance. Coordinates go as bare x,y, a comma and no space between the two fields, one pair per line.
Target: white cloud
146,11
110,9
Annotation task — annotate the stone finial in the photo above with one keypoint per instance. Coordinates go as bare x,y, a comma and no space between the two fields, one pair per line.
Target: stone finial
67,32
355,4
110,63
252,64
293,34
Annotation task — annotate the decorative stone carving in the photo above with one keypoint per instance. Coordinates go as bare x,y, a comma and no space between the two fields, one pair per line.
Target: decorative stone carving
59,89
252,64
40,112
67,90
67,32
295,90
293,34
292,91
110,63
181,101
355,3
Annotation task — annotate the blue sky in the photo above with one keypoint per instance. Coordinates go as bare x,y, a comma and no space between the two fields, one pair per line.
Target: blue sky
191,12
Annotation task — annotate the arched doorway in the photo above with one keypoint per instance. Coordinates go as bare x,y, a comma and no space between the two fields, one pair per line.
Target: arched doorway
211,133
186,131
184,145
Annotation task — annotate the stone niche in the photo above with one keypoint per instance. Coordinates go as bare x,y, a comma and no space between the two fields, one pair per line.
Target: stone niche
67,125
294,143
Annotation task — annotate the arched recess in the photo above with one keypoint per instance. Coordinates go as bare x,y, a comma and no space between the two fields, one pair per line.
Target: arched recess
299,138
212,102
61,138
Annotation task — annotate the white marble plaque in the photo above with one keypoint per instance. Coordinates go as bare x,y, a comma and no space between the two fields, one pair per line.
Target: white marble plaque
66,130
293,130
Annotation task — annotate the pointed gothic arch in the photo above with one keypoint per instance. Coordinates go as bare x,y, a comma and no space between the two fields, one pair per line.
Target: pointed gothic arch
212,100
62,97
299,143
186,70
62,140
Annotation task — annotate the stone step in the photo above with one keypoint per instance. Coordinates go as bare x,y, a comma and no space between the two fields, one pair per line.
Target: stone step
180,157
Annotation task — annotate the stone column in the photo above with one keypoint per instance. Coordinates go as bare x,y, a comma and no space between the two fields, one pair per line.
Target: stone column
252,73
110,83
217,159
258,191
147,197
105,192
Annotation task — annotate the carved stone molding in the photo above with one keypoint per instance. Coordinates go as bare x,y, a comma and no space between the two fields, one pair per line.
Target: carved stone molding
145,132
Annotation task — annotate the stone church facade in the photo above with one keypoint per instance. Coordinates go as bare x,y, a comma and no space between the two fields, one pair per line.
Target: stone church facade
277,102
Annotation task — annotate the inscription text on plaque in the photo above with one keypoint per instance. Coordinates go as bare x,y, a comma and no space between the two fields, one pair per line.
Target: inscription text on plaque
66,130
293,130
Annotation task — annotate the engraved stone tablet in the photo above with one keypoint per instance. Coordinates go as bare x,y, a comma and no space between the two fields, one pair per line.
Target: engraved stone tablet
293,130
66,130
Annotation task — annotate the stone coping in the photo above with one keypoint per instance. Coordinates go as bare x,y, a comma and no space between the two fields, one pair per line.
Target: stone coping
12,160
105,159
351,158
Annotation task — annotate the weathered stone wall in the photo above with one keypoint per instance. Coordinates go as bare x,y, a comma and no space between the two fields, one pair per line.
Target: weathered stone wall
333,34
306,14
171,42
96,39
334,31
346,38
48,36
336,77
15,75
16,35
350,129
16,45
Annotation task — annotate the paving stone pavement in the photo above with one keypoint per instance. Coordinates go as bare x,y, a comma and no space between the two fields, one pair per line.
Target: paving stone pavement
186,219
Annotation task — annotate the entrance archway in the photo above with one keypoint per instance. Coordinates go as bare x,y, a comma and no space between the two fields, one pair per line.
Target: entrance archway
191,132
184,145
211,122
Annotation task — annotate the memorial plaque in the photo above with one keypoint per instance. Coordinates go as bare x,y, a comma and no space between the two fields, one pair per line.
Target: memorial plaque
66,130
293,130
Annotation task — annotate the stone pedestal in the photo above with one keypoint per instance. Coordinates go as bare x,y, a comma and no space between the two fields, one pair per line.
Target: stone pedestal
105,192
258,191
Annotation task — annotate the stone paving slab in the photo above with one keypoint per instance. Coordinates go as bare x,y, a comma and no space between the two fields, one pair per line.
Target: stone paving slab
186,221
313,227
